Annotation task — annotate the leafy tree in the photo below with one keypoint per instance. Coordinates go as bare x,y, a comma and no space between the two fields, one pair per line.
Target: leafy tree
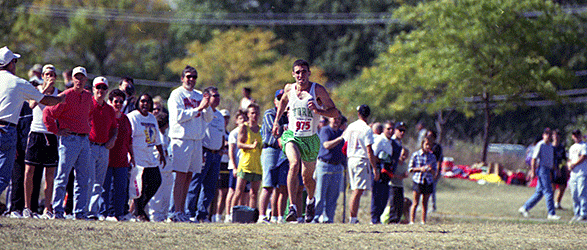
240,58
469,48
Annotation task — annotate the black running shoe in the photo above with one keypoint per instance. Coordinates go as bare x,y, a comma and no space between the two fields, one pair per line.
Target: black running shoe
292,215
310,211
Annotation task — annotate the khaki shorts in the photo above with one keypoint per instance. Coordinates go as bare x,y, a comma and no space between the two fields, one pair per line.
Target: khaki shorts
186,155
359,173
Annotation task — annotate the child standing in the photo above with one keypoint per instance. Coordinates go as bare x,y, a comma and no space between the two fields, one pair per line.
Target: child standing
423,165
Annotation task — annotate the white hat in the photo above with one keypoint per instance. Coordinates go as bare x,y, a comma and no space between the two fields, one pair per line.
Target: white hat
225,112
100,80
79,69
6,56
48,67
37,68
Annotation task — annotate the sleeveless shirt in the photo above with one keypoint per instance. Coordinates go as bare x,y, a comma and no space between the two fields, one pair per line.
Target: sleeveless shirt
302,120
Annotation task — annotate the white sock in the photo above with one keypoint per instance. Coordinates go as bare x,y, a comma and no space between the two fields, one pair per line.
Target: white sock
354,220
308,201
294,207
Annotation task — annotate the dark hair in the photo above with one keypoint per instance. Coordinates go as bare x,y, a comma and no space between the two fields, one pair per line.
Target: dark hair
150,102
68,72
343,119
210,89
189,69
247,90
241,113
162,119
253,105
116,92
126,79
426,140
576,132
364,110
432,133
301,63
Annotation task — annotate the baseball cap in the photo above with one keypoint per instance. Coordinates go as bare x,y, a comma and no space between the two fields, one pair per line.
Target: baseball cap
48,67
79,69
547,131
225,112
6,56
278,93
364,110
400,125
100,80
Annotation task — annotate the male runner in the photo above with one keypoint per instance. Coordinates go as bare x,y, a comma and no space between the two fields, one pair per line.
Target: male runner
306,102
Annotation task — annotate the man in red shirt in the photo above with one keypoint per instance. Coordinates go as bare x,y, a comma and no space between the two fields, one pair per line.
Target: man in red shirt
103,133
70,120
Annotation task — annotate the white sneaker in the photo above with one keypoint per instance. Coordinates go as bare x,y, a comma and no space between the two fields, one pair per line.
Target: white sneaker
27,213
47,215
573,220
524,212
15,215
216,218
111,218
553,217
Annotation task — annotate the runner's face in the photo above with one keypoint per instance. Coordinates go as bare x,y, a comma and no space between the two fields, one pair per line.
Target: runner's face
301,74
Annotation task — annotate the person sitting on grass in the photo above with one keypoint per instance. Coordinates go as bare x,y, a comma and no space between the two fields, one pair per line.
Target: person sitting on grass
423,165
249,166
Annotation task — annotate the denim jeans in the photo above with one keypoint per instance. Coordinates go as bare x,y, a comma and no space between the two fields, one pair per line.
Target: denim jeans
543,188
7,155
74,152
99,163
203,186
115,191
328,179
578,184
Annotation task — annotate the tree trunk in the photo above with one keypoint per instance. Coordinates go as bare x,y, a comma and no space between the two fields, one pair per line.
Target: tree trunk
487,112
440,121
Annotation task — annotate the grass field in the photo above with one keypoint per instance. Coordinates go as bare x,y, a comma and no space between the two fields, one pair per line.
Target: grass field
470,216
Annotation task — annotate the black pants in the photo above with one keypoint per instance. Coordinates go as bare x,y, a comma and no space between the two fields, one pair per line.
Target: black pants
17,185
396,204
151,182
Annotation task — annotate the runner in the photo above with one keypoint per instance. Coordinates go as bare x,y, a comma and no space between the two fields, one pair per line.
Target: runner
300,142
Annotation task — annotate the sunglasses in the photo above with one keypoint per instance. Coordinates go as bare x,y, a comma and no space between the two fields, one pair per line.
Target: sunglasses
118,101
216,95
102,87
191,77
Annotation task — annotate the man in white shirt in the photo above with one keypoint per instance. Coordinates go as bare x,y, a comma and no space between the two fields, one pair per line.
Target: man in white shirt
14,91
189,112
578,181
361,160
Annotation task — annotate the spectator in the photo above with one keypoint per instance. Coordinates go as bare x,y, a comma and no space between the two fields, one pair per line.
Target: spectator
127,85
578,181
399,205
159,106
423,165
329,171
189,112
35,75
115,194
421,129
377,128
361,160
542,164
247,99
234,155
67,78
203,185
560,173
71,121
13,92
222,193
159,204
437,151
382,149
249,167
397,190
103,133
41,150
145,134
274,168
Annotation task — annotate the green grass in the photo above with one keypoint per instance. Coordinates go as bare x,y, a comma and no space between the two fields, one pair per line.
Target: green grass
470,216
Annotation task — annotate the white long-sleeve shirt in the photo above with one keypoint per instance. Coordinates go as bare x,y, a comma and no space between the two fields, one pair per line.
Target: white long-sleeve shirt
185,121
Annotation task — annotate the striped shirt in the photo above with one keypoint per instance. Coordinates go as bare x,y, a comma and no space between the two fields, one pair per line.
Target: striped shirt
418,160
267,127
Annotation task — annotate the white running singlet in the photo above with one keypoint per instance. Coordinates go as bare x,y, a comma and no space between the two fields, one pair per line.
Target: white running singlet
302,120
